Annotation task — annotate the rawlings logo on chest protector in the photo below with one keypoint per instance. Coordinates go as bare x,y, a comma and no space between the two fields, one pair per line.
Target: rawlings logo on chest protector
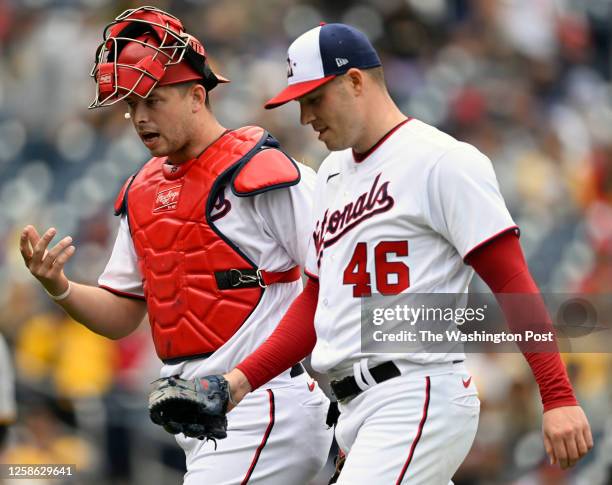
167,198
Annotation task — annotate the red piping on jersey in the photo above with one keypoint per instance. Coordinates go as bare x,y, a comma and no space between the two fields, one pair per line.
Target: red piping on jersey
264,441
122,293
360,157
419,432
488,240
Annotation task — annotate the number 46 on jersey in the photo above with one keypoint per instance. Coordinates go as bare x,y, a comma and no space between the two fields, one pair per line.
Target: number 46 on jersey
356,273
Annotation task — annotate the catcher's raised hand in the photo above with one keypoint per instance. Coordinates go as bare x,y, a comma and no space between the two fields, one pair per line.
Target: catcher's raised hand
46,265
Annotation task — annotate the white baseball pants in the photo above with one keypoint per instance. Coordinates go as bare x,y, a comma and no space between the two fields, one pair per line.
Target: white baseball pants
413,429
275,437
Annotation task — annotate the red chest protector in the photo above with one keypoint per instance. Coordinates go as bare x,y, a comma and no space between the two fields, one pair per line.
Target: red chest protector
199,287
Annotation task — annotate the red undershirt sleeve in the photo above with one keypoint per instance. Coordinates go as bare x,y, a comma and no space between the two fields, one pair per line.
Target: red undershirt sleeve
501,264
292,340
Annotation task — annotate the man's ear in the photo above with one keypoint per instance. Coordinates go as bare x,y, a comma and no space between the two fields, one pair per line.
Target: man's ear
198,97
356,78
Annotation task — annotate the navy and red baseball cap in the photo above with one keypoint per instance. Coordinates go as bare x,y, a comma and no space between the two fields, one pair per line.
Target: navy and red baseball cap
319,55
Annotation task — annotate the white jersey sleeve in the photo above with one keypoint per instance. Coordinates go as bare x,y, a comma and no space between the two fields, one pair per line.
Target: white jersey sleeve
464,202
121,274
285,213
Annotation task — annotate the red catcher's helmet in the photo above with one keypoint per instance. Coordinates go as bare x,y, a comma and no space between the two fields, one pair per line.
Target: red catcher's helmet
144,48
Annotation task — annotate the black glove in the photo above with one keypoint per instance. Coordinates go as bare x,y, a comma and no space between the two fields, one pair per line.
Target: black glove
196,407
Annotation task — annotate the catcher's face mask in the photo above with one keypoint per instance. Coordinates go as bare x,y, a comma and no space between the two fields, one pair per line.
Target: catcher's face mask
144,48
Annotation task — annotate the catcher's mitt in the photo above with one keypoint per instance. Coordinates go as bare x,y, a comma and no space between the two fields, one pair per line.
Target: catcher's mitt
196,407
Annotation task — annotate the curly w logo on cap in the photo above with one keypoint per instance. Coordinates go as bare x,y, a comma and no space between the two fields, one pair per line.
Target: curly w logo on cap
321,54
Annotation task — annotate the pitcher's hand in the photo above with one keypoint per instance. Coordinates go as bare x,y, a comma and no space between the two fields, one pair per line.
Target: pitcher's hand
567,435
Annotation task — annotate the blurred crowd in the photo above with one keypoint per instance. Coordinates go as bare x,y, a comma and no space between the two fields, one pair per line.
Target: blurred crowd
526,81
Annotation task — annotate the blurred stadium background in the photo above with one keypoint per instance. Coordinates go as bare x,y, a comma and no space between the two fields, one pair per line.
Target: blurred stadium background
526,81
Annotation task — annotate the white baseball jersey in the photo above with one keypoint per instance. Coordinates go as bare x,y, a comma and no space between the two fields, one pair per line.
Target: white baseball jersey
267,229
400,221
